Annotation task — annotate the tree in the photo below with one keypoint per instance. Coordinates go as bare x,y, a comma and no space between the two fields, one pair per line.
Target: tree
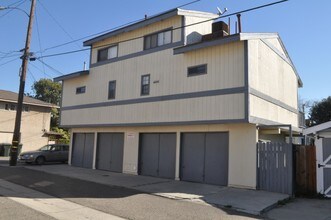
48,91
320,112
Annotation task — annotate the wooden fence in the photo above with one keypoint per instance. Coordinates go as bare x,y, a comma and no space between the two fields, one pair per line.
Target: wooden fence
275,167
305,170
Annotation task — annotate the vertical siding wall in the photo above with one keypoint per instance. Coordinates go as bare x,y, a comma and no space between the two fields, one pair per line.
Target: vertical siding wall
137,45
272,76
242,148
168,74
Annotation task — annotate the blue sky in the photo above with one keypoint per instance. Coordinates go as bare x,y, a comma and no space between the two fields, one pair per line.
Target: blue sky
302,24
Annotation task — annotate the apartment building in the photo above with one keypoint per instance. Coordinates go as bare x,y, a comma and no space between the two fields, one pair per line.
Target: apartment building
35,123
177,96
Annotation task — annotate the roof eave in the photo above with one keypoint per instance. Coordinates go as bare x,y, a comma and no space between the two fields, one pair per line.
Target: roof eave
71,75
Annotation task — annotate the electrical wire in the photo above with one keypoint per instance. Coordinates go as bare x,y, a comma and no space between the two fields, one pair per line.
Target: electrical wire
51,68
35,66
39,40
177,28
58,24
10,10
111,29
31,74
9,61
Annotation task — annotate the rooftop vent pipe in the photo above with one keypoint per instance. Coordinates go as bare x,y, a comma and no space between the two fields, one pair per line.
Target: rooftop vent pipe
239,22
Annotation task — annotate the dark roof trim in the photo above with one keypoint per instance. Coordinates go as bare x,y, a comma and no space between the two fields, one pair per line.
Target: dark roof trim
151,20
139,24
71,75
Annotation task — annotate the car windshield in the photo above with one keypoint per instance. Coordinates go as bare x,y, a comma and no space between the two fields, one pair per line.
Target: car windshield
46,148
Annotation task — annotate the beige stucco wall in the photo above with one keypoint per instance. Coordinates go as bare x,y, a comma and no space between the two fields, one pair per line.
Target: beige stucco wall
242,147
33,125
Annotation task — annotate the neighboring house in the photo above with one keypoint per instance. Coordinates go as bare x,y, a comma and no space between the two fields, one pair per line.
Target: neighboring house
180,103
36,116
321,135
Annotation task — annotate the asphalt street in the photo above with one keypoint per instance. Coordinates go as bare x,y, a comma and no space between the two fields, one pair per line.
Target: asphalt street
118,201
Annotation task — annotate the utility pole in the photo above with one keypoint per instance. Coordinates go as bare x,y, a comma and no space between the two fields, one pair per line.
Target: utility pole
25,60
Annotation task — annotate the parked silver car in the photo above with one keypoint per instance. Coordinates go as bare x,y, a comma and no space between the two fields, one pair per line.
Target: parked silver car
48,153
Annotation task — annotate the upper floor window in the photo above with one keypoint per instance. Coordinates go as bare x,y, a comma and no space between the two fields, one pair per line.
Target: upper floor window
107,53
145,82
111,90
157,39
81,90
197,70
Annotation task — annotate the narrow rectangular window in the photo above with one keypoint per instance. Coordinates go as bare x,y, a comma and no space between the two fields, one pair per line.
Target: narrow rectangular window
12,107
112,89
145,84
7,106
197,70
81,90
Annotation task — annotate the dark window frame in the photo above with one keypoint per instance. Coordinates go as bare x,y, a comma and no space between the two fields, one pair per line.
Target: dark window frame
190,68
156,34
106,49
7,106
26,108
112,93
142,86
80,91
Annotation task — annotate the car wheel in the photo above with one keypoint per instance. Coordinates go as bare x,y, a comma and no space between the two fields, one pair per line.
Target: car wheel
40,160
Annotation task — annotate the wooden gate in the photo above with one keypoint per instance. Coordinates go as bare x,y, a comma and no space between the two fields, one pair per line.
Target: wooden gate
275,167
305,170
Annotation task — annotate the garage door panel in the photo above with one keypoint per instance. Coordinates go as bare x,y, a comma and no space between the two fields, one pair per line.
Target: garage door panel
192,157
216,158
78,150
117,149
149,154
167,156
88,151
104,151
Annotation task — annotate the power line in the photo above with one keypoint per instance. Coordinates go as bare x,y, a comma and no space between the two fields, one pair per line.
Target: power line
40,70
39,40
50,67
9,61
58,23
177,28
10,10
111,29
31,74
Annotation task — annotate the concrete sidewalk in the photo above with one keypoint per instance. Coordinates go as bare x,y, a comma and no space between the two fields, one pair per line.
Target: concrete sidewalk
244,200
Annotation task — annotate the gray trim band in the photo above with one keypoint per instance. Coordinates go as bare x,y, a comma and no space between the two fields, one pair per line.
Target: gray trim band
201,45
160,98
261,121
224,121
140,53
272,100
